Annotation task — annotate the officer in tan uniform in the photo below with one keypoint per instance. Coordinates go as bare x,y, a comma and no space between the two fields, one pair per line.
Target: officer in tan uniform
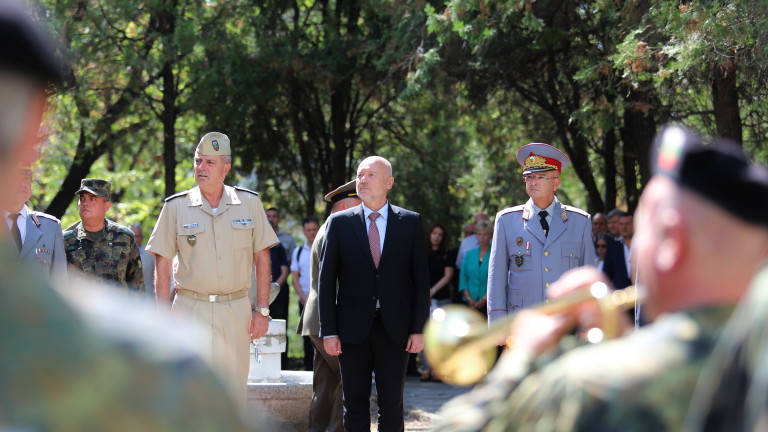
217,233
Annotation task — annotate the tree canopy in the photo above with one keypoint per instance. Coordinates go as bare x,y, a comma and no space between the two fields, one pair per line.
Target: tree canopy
447,90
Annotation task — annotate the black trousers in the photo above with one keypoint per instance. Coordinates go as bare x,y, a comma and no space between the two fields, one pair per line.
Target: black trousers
380,355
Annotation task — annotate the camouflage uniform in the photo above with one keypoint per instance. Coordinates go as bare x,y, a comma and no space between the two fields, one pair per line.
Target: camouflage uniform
640,382
732,394
62,372
115,258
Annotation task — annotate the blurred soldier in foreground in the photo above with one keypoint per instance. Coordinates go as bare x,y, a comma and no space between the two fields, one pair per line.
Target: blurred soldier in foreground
327,409
67,364
99,247
732,392
699,241
37,235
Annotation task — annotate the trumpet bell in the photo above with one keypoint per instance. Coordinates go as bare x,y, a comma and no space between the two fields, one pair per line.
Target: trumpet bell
448,338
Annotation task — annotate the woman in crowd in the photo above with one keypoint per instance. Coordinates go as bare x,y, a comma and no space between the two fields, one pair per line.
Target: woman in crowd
601,247
473,282
440,274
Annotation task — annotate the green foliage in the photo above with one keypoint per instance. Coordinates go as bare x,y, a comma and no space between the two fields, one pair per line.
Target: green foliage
448,90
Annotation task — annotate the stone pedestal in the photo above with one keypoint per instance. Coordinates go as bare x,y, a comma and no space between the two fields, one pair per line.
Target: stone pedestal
283,404
277,398
265,354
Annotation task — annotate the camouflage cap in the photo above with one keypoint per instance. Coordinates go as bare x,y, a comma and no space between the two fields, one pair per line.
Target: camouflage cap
214,144
95,186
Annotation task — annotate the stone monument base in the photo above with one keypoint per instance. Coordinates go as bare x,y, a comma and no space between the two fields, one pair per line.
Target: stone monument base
284,404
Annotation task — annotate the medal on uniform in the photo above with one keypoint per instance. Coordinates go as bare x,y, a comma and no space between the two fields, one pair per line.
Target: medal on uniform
192,239
519,260
519,241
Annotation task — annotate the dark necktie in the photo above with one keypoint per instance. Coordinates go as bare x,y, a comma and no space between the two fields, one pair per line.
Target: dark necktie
15,229
544,225
373,239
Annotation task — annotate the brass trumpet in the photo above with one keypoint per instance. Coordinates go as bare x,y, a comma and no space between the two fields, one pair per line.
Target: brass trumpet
461,347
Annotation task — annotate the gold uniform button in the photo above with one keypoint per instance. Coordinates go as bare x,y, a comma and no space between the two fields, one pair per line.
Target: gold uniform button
570,255
546,269
546,253
547,285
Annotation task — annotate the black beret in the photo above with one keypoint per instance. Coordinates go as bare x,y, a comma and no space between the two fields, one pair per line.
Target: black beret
28,49
719,172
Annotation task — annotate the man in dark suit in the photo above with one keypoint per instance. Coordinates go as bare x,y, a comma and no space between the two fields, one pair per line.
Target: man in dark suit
616,265
376,253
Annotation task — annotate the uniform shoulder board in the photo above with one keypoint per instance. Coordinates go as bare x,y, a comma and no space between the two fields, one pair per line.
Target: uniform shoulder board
123,229
575,210
46,215
176,195
516,208
246,190
69,234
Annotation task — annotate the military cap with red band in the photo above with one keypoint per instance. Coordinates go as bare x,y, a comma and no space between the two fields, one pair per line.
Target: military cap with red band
540,157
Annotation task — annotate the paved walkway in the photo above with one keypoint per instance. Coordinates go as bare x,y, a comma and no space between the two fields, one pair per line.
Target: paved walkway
424,399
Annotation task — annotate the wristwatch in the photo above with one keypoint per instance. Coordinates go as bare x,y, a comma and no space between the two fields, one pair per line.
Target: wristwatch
264,311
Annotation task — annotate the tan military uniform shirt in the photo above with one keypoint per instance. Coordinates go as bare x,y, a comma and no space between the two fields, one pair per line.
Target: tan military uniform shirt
215,251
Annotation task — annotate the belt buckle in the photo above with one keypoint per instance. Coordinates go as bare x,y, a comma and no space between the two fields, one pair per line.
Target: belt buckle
213,298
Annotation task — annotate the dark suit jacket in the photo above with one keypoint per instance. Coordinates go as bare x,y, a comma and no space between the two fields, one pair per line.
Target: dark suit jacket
615,267
401,283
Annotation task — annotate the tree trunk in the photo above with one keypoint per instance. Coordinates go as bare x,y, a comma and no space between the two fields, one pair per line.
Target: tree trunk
725,98
84,159
637,134
609,173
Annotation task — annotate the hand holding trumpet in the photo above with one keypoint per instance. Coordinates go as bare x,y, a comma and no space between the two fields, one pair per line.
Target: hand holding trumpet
460,345
539,330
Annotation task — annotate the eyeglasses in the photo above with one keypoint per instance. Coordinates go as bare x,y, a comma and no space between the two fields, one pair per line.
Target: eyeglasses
531,177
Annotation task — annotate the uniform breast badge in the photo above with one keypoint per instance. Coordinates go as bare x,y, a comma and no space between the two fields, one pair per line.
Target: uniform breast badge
519,260
192,239
519,241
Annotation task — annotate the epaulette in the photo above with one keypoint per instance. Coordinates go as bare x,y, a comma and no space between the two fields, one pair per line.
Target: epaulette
121,228
70,233
245,190
46,215
177,195
575,210
510,210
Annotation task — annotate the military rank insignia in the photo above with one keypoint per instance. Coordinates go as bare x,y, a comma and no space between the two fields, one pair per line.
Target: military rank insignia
519,260
564,215
192,239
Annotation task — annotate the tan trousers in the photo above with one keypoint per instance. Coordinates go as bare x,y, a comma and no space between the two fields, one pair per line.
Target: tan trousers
227,345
